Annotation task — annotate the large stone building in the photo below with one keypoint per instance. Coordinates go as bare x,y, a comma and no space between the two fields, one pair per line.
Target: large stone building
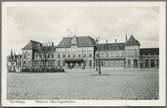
85,53
119,54
78,52
149,57
38,56
127,55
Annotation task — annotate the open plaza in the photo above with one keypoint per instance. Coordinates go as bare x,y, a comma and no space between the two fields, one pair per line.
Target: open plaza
113,84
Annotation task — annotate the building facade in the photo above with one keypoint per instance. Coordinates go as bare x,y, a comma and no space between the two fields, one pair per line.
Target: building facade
83,52
149,57
37,56
14,62
127,55
76,52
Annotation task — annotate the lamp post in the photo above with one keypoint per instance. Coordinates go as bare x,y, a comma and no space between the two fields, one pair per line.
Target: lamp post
99,63
99,66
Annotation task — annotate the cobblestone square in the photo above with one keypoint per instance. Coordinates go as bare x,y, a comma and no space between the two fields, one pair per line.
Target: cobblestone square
117,84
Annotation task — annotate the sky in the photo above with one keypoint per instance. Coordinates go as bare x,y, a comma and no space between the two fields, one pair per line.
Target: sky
52,23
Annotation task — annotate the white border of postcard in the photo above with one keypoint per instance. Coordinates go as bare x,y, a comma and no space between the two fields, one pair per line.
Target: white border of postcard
162,68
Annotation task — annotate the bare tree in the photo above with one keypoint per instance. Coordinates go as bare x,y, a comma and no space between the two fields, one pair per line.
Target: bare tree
43,53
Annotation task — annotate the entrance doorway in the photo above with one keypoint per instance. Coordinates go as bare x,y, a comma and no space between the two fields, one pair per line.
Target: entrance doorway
75,63
152,63
135,63
146,63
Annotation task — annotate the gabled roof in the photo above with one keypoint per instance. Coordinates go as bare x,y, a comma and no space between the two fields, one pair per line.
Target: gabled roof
32,45
147,51
111,46
81,42
132,41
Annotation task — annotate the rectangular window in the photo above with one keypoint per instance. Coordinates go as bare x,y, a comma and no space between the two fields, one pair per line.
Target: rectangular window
90,55
84,55
106,54
52,56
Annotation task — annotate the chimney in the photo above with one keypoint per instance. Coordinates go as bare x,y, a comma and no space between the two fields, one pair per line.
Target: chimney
96,41
52,44
106,41
115,40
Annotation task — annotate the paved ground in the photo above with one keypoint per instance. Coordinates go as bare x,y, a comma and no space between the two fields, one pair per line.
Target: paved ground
75,84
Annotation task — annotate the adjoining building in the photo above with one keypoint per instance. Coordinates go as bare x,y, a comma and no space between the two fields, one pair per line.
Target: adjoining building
38,57
127,55
14,62
149,57
76,52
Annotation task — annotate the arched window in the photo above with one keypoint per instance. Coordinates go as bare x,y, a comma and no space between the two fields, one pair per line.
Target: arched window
97,55
106,54
157,62
135,63
36,56
90,55
129,63
90,63
146,63
152,63
48,55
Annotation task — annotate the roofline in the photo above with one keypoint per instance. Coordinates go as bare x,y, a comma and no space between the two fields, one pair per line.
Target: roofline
111,43
77,46
149,48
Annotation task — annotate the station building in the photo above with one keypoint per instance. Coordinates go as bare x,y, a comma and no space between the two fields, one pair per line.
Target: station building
84,52
76,52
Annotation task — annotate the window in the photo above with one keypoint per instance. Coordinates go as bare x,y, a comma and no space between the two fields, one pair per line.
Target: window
135,62
79,55
24,55
102,54
58,62
63,55
90,55
58,55
157,62
106,54
36,56
97,55
84,55
74,55
68,55
63,63
48,55
52,56
102,63
129,62
90,62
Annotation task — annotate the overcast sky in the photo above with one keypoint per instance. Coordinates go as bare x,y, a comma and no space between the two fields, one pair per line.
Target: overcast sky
107,22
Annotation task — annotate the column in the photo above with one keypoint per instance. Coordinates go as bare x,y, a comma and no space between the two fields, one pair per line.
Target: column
143,63
132,63
149,62
138,64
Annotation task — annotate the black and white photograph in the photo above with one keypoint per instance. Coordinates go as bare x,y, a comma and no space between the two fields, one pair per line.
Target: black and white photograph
83,53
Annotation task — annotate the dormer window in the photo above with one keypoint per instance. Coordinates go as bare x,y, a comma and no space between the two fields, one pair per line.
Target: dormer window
74,41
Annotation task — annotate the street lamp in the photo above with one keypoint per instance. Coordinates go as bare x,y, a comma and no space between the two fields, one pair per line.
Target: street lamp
98,49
